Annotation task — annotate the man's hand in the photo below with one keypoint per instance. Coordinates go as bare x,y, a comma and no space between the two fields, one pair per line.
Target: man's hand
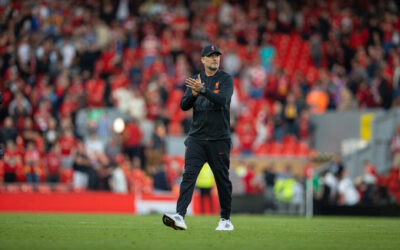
194,93
195,85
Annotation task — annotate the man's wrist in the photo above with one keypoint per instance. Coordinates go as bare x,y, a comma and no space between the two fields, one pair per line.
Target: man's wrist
203,90
195,93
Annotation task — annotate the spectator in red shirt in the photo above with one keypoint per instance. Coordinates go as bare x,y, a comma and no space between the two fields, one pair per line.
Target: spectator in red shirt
119,80
364,96
132,139
52,162
246,138
306,127
95,88
77,90
251,182
68,106
108,60
32,160
67,144
12,159
248,180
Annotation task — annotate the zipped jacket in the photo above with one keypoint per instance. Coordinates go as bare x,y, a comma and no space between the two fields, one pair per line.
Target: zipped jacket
211,108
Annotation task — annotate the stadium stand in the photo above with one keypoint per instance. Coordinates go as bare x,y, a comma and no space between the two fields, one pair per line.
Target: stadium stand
64,63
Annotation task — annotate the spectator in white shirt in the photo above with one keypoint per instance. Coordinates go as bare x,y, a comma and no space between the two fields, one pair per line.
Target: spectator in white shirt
94,146
117,180
348,194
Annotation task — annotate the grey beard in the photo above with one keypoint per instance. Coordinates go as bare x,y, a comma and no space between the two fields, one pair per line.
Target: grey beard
213,68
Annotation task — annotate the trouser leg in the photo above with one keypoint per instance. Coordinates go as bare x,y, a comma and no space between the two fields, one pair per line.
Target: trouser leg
218,153
195,157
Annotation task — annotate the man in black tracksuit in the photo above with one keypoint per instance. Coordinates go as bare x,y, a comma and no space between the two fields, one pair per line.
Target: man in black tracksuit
209,94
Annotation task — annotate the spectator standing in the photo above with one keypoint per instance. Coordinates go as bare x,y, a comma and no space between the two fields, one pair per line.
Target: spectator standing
82,164
32,161
156,147
117,179
12,160
52,161
347,193
269,178
8,132
132,139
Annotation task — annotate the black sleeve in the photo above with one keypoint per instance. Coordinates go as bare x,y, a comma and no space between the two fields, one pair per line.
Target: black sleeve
225,94
187,100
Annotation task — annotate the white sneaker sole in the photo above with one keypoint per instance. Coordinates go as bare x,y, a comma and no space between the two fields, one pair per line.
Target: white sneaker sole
169,222
224,229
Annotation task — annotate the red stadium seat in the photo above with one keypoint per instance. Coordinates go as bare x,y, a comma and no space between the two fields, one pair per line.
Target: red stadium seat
78,189
13,188
263,149
175,129
289,139
276,148
42,173
147,187
26,188
289,150
43,188
302,149
61,188
235,151
20,171
67,175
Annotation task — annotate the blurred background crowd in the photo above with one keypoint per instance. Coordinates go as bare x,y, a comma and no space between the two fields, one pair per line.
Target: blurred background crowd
67,68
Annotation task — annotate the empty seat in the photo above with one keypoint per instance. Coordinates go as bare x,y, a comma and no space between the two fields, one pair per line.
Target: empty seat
263,149
43,188
61,188
13,188
26,188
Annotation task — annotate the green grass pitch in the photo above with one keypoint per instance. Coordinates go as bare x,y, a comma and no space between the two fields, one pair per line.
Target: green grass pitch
83,231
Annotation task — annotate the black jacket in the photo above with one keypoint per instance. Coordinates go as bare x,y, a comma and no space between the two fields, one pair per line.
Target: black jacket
211,109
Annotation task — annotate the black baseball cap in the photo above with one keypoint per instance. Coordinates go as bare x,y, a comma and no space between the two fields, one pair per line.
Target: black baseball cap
210,49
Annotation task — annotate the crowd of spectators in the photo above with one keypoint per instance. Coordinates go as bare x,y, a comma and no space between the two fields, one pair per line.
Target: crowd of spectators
334,187
63,63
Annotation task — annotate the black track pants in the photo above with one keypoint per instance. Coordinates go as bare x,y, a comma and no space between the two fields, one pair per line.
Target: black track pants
216,153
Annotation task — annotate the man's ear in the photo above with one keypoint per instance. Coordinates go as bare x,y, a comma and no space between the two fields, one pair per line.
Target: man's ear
202,60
